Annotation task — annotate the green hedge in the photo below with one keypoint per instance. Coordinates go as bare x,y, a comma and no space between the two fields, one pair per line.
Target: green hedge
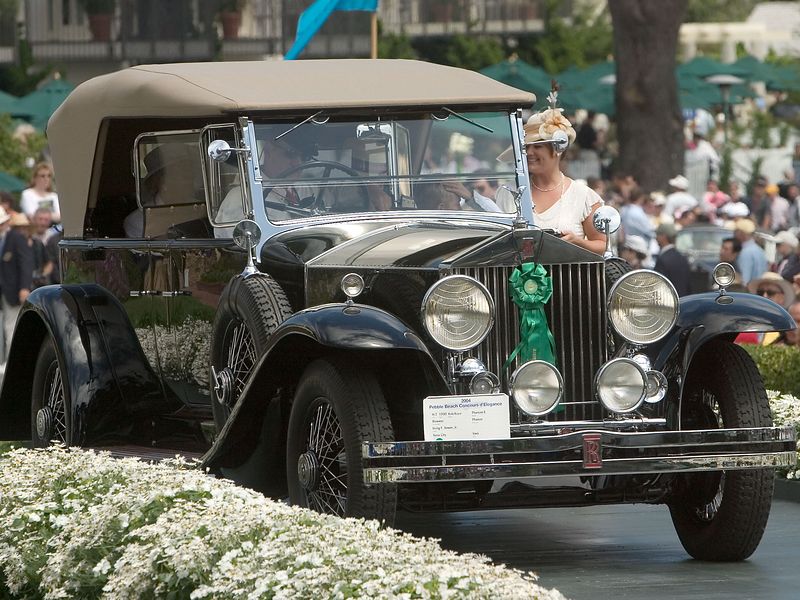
779,366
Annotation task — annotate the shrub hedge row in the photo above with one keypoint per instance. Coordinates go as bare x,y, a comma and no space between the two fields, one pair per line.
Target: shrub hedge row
75,524
779,366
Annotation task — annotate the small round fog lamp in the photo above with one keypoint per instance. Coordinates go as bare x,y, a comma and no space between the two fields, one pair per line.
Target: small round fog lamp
536,387
352,285
621,385
484,383
656,386
724,274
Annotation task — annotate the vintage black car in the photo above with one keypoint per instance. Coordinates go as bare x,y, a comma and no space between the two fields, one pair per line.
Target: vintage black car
283,268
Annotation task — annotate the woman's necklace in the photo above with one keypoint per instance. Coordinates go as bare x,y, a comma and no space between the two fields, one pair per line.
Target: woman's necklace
560,183
557,220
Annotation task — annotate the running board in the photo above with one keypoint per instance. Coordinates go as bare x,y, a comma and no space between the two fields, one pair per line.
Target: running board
147,453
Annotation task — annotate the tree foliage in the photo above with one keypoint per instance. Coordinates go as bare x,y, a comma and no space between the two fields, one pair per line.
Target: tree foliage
585,40
395,46
22,78
715,11
14,152
8,9
466,51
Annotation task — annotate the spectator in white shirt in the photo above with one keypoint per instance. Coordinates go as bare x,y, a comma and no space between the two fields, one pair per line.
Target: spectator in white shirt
40,194
680,199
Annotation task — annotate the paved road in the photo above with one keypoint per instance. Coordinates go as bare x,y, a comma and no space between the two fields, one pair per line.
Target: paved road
611,552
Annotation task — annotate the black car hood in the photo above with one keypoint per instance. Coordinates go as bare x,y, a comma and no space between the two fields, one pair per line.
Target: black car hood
427,245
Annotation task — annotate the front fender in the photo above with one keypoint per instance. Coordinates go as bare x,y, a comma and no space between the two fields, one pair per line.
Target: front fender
704,317
352,327
97,348
303,337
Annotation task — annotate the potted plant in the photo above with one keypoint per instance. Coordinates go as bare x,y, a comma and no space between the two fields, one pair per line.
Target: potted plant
100,13
443,11
230,16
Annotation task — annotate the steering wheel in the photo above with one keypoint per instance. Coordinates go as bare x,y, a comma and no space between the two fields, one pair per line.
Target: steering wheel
318,202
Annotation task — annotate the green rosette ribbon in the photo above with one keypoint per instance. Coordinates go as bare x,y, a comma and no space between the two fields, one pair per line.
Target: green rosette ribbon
531,289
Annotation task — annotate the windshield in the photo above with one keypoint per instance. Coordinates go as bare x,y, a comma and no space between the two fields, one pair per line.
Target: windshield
440,161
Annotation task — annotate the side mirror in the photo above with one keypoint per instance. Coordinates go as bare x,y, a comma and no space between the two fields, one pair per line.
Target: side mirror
606,220
247,235
560,141
220,150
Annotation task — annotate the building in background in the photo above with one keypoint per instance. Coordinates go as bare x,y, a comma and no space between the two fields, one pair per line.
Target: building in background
83,45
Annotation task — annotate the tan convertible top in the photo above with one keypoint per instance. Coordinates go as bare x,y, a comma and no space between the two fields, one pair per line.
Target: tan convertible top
214,89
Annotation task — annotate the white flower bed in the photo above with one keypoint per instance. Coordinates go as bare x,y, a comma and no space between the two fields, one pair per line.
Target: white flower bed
78,524
786,411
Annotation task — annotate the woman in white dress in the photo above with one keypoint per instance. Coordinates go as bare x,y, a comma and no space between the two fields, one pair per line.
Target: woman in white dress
40,194
559,202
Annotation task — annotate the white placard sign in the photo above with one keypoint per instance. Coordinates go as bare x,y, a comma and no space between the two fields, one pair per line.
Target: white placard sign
484,417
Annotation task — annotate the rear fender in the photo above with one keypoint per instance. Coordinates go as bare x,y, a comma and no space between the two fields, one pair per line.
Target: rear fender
99,351
376,336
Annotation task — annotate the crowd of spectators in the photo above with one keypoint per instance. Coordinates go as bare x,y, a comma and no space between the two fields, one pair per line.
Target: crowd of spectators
29,236
763,220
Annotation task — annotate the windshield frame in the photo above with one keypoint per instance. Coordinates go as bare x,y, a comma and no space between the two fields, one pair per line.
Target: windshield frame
395,151
256,179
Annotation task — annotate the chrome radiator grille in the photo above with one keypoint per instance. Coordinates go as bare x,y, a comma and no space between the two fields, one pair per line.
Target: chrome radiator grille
577,317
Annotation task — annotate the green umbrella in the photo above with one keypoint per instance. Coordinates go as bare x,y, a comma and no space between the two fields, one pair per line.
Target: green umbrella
598,98
588,77
755,69
702,67
39,105
776,77
7,102
591,88
10,183
521,75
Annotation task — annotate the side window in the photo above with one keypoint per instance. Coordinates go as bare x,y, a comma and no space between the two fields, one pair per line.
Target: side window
169,170
227,196
169,186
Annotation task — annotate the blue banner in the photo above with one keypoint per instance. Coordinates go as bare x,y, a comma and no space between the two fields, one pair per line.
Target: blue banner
314,17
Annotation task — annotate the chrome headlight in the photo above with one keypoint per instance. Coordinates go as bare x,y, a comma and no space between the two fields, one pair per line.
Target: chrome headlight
458,312
536,387
621,385
643,306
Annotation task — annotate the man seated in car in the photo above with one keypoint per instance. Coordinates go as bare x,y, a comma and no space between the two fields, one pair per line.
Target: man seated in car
279,158
450,195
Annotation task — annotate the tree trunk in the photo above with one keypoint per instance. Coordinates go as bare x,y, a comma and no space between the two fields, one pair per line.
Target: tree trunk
649,121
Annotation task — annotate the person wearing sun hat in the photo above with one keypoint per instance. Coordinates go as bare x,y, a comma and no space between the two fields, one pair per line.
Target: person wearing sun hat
679,200
752,260
773,286
559,203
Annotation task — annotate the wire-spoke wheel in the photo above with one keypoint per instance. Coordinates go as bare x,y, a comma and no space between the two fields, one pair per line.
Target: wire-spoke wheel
322,468
337,406
51,419
721,515
250,310
242,356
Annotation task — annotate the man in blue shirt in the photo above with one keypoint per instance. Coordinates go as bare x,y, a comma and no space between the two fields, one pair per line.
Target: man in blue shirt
635,220
752,261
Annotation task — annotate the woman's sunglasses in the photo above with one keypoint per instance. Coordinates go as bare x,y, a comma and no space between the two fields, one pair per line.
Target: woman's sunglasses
768,292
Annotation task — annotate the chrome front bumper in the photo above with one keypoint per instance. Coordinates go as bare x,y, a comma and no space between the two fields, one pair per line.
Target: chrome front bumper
587,452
